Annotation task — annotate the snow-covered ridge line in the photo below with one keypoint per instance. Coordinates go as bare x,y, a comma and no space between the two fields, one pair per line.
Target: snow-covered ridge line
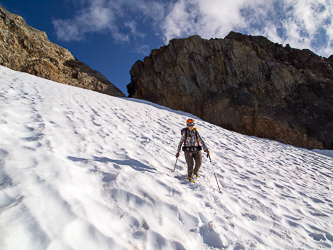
82,170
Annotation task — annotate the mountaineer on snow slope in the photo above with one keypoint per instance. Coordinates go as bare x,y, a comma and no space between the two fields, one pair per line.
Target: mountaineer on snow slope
192,141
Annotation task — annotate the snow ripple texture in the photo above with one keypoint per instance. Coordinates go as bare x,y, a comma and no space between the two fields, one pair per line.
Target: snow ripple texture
82,170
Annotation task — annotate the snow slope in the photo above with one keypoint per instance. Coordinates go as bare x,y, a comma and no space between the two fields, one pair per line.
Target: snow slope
82,170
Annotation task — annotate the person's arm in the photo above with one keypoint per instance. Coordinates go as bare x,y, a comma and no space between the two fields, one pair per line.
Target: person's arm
182,139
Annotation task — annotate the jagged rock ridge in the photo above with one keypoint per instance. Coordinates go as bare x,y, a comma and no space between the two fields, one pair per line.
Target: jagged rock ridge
24,48
243,83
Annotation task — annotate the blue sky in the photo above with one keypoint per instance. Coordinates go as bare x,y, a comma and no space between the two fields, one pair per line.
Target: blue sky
110,35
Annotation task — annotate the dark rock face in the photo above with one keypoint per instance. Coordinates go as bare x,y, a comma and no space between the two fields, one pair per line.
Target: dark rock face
243,83
26,49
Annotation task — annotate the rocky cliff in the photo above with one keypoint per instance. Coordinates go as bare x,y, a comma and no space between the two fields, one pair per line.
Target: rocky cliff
27,49
243,83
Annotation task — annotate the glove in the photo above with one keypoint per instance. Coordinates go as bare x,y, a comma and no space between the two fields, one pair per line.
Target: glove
177,155
208,153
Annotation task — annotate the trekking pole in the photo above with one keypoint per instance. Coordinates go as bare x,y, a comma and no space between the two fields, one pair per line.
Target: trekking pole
175,165
214,174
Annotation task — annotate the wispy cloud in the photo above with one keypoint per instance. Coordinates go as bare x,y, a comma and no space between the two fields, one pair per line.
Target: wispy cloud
98,16
142,49
301,23
117,17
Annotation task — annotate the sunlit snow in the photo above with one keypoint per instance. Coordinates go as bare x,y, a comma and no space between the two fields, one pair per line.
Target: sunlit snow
82,170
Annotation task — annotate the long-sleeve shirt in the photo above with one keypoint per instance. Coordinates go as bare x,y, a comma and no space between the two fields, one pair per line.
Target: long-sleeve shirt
191,140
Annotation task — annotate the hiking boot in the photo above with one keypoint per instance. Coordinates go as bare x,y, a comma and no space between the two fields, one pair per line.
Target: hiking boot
197,176
191,179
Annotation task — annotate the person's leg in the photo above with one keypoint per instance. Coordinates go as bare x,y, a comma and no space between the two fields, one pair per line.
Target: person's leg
190,163
198,161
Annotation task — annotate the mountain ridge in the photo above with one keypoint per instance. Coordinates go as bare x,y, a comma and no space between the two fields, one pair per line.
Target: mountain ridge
246,84
27,49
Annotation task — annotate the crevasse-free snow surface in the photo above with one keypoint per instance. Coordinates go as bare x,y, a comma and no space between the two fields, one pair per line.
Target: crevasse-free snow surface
82,170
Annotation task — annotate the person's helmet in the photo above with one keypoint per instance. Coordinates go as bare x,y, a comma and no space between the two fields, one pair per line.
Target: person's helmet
190,122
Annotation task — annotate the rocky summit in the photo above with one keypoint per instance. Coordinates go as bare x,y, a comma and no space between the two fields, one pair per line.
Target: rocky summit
247,84
24,48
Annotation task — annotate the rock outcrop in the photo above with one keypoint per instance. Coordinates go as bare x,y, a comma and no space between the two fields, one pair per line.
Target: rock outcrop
24,48
243,83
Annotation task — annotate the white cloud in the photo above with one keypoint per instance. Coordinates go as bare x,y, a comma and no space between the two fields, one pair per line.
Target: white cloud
301,23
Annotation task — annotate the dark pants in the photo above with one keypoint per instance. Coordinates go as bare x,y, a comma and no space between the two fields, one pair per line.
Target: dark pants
189,156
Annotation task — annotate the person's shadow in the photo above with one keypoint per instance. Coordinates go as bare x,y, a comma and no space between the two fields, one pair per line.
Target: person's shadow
130,162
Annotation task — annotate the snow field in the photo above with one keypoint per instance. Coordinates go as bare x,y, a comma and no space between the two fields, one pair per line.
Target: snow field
82,170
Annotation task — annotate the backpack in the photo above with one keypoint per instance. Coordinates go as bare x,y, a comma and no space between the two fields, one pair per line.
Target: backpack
184,148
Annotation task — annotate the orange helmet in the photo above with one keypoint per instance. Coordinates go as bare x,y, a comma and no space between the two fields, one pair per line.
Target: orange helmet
190,122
